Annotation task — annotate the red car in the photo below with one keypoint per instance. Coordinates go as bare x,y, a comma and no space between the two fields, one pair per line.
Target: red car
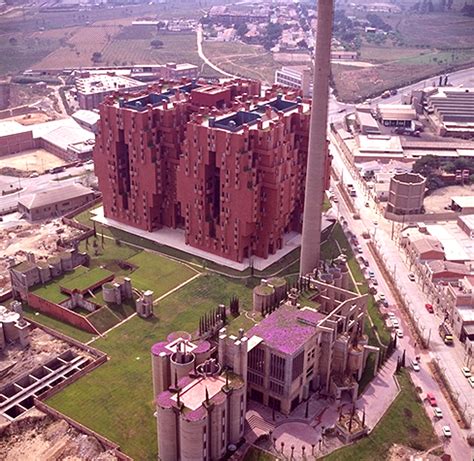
429,308
432,400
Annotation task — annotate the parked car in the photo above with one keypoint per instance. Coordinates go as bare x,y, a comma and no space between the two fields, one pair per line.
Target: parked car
447,431
359,249
371,273
415,365
466,371
382,297
438,412
471,381
399,333
431,399
429,308
391,315
411,276
374,281
34,174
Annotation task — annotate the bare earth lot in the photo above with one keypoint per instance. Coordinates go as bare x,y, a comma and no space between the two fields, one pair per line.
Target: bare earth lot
37,238
440,198
31,160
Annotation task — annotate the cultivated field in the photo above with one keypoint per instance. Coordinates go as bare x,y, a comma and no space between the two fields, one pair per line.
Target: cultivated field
31,160
242,59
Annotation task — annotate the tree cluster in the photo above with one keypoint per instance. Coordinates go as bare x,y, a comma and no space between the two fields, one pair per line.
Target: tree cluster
209,321
234,306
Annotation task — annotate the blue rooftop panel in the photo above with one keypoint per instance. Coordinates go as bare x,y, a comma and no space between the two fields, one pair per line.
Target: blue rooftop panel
235,121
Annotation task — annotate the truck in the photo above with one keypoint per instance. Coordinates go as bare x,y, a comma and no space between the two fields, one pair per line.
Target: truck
351,190
445,333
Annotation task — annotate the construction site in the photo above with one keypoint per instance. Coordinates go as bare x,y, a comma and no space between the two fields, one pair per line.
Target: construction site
36,435
41,239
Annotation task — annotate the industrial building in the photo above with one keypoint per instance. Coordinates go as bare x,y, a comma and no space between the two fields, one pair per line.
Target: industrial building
64,138
14,329
297,350
54,202
406,194
219,161
91,89
450,111
200,400
298,77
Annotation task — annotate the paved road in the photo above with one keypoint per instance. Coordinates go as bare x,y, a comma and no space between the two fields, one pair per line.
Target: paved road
39,184
458,446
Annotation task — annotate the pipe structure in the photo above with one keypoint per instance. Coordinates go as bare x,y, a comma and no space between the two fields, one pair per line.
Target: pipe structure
314,192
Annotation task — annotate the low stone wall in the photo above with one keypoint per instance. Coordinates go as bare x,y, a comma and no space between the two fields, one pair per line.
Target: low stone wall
82,208
106,443
14,112
60,313
430,217
87,369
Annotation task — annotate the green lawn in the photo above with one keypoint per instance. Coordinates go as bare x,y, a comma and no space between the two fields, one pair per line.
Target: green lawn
116,399
51,290
103,319
64,328
405,423
86,279
378,321
158,273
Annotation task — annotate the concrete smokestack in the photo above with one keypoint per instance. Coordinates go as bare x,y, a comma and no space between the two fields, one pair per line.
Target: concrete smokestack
313,203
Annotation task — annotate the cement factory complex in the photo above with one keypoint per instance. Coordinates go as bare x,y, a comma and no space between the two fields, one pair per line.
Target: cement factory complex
221,269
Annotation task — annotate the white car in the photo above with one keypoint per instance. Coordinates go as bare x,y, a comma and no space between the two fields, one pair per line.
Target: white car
400,333
415,365
395,323
438,413
446,431
359,249
382,297
391,315
466,371
471,381
411,276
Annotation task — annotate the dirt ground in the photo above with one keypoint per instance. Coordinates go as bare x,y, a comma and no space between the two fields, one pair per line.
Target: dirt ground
440,198
36,436
38,160
37,238
401,453
43,347
32,118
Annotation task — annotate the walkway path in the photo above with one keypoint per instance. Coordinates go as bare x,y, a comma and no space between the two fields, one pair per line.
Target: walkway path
181,285
204,57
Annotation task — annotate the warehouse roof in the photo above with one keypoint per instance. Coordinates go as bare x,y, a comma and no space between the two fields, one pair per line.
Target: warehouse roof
52,196
396,112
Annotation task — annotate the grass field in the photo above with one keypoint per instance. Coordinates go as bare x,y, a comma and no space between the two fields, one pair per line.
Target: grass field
51,290
123,385
64,328
407,415
242,59
158,273
86,279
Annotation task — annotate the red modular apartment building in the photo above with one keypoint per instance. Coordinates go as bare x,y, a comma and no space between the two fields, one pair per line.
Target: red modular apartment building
220,161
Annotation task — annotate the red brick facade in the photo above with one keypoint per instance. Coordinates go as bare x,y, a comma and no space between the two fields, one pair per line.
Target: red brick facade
219,161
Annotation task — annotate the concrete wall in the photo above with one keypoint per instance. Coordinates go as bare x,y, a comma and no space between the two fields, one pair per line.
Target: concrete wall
60,313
